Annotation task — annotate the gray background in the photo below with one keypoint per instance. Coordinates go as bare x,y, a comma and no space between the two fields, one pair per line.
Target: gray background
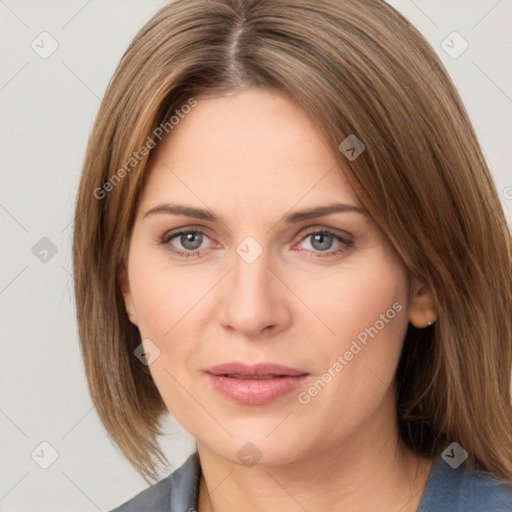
47,107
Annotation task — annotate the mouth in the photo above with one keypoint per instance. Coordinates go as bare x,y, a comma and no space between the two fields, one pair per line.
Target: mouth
254,385
250,377
260,370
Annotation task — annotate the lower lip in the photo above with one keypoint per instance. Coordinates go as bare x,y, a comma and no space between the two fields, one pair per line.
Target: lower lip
255,391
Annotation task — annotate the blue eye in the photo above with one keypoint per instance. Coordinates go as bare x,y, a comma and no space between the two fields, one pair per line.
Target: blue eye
322,241
190,240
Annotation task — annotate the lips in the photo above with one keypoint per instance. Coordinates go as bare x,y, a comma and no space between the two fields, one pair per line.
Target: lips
254,385
261,370
255,377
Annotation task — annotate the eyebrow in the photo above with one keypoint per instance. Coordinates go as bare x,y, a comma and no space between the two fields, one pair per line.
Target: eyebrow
291,218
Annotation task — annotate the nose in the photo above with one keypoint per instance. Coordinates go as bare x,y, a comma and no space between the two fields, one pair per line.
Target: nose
254,301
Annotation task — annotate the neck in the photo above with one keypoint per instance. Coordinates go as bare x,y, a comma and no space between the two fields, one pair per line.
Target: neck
368,470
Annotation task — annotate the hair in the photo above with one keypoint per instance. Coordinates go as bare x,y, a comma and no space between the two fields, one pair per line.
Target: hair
355,67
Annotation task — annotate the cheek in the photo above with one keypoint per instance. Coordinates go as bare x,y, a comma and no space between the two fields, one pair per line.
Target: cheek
367,310
365,304
164,299
366,295
163,296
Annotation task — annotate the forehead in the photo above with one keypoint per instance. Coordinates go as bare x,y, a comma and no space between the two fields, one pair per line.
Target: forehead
251,150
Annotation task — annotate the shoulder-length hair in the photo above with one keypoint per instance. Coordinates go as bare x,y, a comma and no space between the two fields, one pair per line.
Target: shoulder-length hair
356,67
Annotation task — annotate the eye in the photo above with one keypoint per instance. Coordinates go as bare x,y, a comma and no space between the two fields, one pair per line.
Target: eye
321,242
190,241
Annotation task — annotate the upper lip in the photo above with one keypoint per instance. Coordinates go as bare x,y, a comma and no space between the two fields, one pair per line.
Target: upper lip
257,370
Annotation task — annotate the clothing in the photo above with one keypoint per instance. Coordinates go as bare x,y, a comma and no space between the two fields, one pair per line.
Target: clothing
464,490
447,490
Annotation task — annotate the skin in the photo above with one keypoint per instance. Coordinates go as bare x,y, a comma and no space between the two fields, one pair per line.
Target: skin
252,158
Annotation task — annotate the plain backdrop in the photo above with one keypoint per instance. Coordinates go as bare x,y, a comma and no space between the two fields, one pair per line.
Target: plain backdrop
47,107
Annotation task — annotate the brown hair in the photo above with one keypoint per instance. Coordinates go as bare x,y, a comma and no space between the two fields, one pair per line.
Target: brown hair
356,67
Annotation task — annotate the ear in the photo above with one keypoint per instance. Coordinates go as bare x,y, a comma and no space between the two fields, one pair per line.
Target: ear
422,311
124,284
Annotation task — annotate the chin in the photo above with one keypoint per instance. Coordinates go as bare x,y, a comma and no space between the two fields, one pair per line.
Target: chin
256,448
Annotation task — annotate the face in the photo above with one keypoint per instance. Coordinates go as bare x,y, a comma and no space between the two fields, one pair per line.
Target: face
251,281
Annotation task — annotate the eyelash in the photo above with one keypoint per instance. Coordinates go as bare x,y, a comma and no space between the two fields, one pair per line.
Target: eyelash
346,243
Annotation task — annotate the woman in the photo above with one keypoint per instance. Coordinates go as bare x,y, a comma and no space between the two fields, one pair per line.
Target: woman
287,236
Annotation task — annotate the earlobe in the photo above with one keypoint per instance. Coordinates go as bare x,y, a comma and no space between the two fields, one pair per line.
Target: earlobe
422,310
124,285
